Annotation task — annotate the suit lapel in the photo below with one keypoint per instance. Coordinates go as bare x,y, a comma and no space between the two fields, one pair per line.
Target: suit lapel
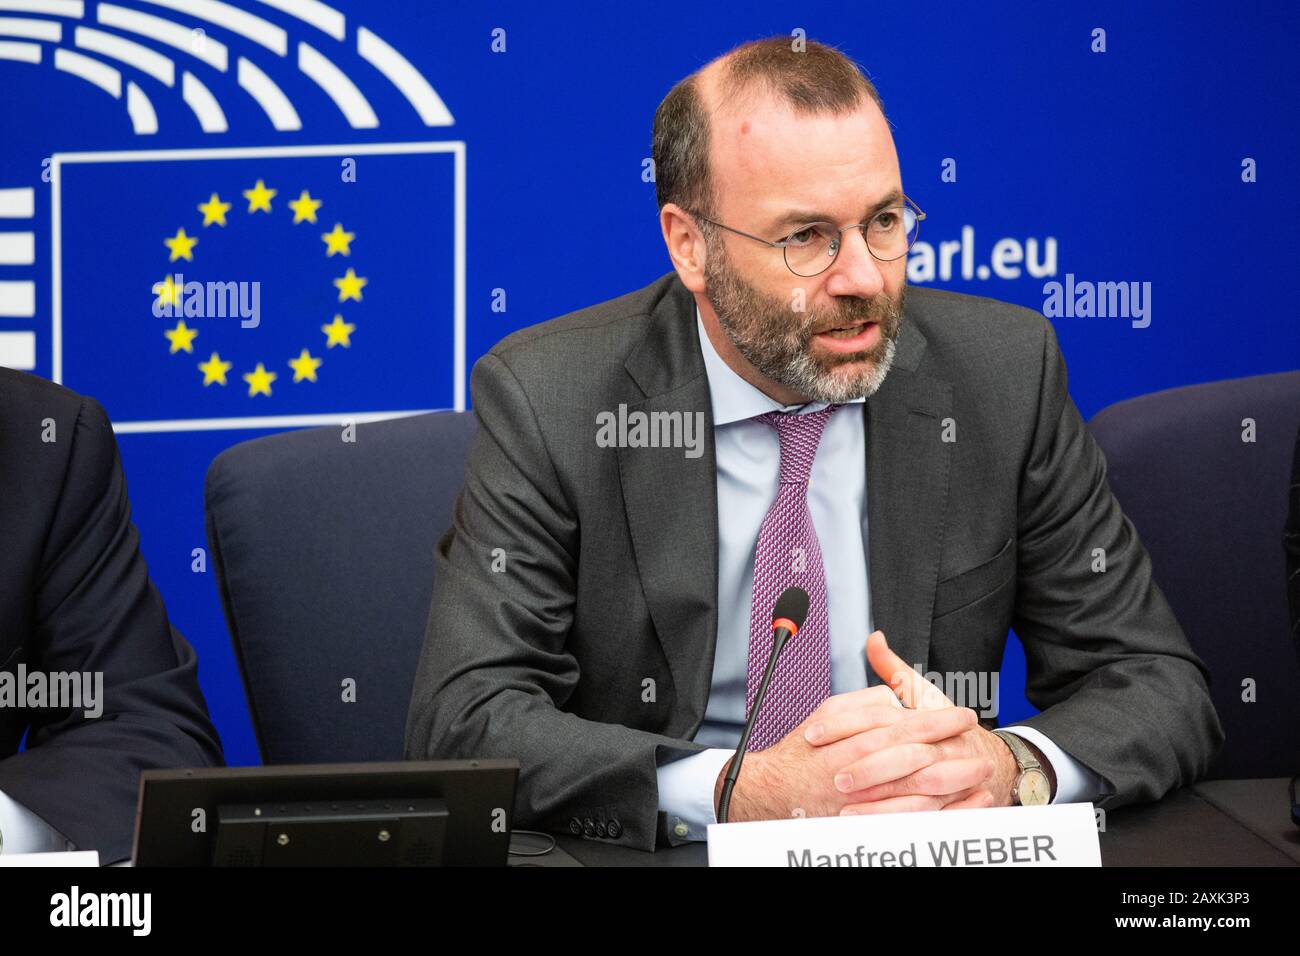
672,506
907,496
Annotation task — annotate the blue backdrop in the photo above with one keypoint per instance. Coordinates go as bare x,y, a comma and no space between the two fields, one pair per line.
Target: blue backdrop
424,156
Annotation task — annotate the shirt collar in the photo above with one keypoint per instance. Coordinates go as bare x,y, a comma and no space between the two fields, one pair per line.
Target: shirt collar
733,399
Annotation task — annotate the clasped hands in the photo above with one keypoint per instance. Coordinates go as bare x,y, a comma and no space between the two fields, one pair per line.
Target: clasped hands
862,753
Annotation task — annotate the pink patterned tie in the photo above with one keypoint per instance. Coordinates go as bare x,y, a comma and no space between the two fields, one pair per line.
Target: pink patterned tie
788,554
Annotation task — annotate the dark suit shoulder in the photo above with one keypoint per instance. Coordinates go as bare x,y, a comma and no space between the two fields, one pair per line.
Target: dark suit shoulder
605,326
957,320
42,425
993,347
24,396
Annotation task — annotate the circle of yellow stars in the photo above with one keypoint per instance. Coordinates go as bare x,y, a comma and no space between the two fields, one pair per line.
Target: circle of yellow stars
338,241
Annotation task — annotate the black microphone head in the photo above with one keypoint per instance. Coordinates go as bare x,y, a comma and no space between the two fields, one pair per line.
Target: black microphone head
791,606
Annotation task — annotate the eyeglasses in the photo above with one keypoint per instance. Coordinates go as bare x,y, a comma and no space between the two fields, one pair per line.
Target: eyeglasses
811,248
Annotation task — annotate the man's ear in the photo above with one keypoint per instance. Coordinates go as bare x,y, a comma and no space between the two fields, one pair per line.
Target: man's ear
685,244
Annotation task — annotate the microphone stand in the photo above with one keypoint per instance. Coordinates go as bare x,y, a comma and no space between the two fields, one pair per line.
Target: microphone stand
780,636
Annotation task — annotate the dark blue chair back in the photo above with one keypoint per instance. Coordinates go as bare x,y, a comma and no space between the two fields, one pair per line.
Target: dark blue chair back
1211,510
323,551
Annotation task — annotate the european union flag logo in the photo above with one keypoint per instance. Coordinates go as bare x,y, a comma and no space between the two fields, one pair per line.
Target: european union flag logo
261,286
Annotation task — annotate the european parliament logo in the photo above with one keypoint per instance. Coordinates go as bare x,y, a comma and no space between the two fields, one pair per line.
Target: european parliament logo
247,286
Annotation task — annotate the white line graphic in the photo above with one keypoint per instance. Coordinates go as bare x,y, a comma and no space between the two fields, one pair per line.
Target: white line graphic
18,299
18,203
56,8
143,119
129,52
18,350
269,96
317,66
412,84
46,30
205,106
319,15
20,52
354,106
17,248
92,71
210,51
233,19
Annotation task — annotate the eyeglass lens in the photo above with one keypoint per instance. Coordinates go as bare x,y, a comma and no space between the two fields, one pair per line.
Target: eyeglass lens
889,234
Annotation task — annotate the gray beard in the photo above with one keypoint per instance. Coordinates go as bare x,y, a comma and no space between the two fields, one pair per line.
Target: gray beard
804,376
783,352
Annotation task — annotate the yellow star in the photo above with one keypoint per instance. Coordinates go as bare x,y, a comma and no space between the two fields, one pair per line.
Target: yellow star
214,370
338,332
337,240
181,246
349,286
304,208
181,337
304,367
259,197
259,381
214,210
168,292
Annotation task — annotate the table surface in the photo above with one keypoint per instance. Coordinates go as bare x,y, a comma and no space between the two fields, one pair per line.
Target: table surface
1213,823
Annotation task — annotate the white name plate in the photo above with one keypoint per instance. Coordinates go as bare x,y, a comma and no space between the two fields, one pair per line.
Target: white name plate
70,858
1055,835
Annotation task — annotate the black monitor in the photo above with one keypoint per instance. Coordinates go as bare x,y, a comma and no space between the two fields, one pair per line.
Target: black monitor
408,813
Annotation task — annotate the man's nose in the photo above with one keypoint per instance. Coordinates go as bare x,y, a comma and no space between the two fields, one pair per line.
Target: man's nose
855,270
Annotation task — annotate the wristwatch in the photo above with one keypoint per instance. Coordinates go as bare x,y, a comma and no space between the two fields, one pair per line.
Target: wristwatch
1032,788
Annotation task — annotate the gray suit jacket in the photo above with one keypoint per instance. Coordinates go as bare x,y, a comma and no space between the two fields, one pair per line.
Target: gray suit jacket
574,614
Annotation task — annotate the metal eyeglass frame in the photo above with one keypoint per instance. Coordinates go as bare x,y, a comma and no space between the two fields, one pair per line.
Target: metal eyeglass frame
836,243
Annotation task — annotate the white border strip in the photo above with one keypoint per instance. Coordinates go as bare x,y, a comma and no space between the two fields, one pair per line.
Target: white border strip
266,421
262,152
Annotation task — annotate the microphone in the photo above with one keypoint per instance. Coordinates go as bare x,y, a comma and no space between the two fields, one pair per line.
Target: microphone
787,617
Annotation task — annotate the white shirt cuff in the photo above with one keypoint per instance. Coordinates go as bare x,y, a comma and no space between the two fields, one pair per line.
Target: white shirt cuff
686,792
1075,783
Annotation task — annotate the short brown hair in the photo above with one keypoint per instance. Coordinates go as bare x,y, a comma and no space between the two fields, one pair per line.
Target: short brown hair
814,79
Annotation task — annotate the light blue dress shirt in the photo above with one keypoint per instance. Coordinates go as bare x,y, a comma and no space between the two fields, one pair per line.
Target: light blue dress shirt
748,460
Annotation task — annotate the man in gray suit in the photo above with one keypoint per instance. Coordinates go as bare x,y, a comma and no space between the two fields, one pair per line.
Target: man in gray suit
650,472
